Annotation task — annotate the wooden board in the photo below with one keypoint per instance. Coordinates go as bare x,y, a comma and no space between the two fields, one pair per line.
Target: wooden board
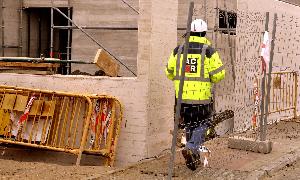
36,108
106,63
48,108
9,101
21,103
4,121
29,65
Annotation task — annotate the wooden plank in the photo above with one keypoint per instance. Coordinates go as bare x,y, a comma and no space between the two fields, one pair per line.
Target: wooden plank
49,108
21,103
106,63
36,108
29,65
9,101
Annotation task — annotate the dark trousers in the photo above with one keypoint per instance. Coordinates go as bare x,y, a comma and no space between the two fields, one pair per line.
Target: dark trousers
197,118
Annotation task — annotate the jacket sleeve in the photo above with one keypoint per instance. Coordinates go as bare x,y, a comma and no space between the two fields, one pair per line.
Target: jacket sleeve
216,68
171,67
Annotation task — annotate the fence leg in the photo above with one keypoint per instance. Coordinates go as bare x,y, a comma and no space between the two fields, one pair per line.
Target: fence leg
85,131
110,136
296,95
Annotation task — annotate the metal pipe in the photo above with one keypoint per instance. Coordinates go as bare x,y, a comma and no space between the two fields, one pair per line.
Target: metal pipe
51,33
179,99
28,34
134,28
230,44
214,29
58,122
269,75
125,2
76,124
40,38
64,122
68,41
73,111
263,84
72,151
39,60
2,26
85,130
117,134
96,27
94,40
215,33
21,29
296,94
5,46
292,3
216,24
205,11
110,135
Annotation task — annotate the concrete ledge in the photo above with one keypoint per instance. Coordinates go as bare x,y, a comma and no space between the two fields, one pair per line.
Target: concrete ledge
250,144
275,166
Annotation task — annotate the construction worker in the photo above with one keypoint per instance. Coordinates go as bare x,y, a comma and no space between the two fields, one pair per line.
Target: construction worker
203,67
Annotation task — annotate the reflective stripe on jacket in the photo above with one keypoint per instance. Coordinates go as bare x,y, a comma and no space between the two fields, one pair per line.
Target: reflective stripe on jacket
203,67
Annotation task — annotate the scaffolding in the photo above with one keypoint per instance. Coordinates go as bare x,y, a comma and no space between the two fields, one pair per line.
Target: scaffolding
69,27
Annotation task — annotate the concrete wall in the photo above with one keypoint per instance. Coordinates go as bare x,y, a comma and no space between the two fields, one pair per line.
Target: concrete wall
249,39
1,29
147,99
161,92
45,3
106,13
11,26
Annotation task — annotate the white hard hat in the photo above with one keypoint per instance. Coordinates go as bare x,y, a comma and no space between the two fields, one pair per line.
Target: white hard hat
198,25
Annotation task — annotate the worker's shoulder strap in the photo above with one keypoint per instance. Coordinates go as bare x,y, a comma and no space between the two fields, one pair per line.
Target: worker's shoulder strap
196,48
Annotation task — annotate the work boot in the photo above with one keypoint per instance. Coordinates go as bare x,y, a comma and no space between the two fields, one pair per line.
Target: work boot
181,140
192,161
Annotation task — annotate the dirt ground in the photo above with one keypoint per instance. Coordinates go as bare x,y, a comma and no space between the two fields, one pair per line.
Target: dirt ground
290,172
224,163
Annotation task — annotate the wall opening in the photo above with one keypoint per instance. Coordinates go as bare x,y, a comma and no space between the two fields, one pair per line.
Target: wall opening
232,21
112,24
39,34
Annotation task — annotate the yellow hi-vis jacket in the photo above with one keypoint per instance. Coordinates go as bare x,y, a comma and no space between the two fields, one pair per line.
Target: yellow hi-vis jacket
203,67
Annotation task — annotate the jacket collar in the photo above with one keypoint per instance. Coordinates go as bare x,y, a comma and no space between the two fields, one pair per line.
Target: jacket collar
198,39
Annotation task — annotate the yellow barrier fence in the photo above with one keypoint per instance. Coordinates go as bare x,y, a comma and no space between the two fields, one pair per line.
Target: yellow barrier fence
59,121
283,93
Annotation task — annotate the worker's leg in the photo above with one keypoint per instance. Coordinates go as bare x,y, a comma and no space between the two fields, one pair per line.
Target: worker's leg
197,138
195,119
191,160
198,123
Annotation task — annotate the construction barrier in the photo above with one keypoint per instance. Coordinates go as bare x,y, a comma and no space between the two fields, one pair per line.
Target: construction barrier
283,93
59,121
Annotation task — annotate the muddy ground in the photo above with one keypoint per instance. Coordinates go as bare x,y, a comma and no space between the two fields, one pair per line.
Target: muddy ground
224,163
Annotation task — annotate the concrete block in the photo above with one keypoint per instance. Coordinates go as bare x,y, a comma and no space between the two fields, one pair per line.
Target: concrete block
250,144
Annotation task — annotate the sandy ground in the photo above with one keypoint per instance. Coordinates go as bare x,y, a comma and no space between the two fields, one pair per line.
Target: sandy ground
290,172
225,163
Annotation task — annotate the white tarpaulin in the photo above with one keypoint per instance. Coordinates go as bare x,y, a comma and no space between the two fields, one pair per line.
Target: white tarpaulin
34,130
265,51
